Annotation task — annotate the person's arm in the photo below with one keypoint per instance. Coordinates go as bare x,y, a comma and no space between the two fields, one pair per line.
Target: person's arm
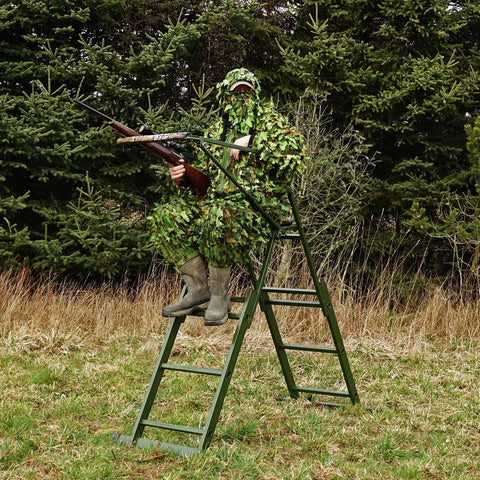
241,142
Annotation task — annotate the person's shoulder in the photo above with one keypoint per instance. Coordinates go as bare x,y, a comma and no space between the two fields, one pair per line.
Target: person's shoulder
214,129
270,114
268,111
268,107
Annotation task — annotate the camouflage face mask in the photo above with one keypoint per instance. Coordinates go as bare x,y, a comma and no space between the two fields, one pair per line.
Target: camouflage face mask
241,108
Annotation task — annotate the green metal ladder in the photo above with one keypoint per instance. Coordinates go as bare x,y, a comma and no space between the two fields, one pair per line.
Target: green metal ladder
259,295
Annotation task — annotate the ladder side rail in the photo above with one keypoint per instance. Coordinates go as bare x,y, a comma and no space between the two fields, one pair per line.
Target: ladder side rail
156,378
245,320
230,362
278,344
326,305
265,305
337,338
305,245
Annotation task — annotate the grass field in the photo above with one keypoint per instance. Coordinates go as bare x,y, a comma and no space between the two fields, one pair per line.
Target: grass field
75,364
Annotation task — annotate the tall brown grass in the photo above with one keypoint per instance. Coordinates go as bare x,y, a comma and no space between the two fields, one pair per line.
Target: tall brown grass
47,313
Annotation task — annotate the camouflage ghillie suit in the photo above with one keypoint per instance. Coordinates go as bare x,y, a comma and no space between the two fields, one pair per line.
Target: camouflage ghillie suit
224,227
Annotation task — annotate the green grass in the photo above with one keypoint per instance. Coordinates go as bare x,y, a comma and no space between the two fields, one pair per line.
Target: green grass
419,417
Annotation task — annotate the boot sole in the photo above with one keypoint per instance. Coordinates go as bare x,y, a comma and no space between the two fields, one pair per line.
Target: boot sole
186,311
217,323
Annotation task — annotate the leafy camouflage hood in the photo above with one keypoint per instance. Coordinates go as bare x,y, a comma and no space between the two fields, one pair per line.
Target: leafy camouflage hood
235,76
240,109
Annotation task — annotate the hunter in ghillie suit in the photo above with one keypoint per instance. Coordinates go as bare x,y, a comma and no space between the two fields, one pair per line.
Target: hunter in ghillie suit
223,228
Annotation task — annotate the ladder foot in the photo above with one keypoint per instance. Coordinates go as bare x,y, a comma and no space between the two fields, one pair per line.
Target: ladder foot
123,439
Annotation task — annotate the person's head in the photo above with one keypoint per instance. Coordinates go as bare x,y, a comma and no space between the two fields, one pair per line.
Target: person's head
238,96
239,80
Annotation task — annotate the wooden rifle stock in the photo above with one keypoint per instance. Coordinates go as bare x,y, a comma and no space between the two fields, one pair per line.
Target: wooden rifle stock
193,178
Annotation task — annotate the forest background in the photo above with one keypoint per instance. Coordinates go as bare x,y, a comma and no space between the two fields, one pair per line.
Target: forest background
386,94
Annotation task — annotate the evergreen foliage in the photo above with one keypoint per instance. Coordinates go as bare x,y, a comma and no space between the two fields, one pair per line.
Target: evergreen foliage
400,82
50,144
139,62
94,236
456,232
406,75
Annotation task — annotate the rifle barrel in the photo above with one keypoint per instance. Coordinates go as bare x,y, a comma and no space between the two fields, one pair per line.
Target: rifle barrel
106,117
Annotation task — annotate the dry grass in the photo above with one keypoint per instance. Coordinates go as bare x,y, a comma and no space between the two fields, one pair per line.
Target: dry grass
46,310
43,312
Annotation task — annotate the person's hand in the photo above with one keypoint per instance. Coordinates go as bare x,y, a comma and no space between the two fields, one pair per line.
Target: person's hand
177,171
242,142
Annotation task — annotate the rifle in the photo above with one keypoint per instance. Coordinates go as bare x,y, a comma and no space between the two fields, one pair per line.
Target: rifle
193,178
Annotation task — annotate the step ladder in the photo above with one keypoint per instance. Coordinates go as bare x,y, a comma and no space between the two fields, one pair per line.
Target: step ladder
259,295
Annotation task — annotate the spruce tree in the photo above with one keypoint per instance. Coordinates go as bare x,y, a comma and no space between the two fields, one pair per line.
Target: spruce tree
51,144
405,74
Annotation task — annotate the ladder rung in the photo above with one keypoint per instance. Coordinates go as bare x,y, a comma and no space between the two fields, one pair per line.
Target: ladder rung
308,348
319,391
191,369
293,291
293,303
171,426
233,316
291,236
146,443
237,299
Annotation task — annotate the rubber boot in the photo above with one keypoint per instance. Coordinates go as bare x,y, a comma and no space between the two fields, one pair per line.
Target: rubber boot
194,275
217,312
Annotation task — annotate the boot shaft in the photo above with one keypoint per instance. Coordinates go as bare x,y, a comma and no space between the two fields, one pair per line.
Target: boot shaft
219,281
217,312
194,273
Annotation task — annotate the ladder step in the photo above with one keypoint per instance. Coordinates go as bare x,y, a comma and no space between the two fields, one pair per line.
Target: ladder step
191,369
146,443
320,391
293,303
169,447
172,426
294,291
232,316
237,299
308,348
